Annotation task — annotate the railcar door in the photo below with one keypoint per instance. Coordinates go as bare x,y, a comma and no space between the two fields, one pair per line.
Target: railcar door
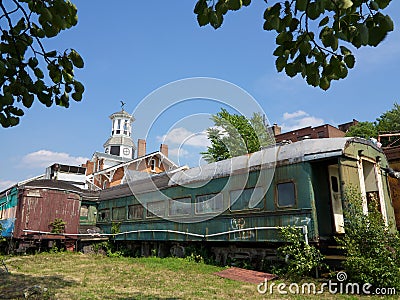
336,201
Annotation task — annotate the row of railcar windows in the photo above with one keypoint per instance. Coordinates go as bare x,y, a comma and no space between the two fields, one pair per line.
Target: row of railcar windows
240,200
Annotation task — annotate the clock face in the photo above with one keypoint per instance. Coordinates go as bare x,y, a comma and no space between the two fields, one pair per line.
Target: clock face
127,151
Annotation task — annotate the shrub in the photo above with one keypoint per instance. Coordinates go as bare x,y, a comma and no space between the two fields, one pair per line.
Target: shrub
57,226
372,250
300,258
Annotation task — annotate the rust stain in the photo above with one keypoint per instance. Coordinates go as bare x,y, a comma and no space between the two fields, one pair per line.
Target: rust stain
244,275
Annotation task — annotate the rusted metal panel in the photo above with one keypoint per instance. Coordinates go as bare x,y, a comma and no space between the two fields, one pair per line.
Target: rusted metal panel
38,207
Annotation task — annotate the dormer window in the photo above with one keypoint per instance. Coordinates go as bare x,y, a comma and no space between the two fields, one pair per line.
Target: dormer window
153,165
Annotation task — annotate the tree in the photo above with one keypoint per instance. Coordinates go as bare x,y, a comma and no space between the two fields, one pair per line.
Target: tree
27,70
364,130
235,135
388,121
319,57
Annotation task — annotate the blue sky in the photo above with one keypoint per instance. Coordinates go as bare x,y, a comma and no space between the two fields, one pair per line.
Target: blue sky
132,48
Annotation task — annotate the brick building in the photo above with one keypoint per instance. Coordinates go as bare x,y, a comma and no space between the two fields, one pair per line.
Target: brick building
318,132
107,169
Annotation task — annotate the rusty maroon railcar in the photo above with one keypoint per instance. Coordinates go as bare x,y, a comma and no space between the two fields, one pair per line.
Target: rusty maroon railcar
38,204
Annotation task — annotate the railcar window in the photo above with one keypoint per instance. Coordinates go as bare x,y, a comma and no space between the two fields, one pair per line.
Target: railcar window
247,199
104,215
180,206
335,184
209,203
119,213
135,212
286,194
84,211
156,209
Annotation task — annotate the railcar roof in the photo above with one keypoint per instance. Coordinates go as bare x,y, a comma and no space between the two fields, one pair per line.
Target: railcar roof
310,149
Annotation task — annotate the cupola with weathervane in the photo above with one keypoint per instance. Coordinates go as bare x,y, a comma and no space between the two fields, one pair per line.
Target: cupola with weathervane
120,143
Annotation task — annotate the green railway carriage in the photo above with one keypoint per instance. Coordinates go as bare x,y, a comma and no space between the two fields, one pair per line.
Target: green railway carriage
237,206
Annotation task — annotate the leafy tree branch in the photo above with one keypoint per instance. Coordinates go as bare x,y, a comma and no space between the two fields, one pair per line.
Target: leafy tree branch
315,51
27,70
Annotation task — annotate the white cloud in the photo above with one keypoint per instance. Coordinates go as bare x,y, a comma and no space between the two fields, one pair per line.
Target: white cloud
45,158
178,152
182,136
296,114
299,119
4,184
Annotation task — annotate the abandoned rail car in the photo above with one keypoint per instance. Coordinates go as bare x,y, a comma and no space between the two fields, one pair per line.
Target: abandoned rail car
34,206
236,206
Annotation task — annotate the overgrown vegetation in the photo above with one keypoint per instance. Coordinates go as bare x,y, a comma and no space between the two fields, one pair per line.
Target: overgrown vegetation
301,259
57,226
373,251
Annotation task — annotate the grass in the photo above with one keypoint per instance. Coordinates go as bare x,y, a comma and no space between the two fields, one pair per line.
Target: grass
79,276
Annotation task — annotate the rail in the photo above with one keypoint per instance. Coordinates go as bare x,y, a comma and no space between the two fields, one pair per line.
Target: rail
204,236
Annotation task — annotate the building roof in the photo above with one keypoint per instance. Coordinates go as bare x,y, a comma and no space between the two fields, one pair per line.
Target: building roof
127,162
111,157
122,114
120,140
53,184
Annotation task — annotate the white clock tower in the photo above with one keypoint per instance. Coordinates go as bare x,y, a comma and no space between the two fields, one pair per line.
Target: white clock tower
120,143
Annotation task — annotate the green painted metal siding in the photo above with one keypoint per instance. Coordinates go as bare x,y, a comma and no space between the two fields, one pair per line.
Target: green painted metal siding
10,199
270,214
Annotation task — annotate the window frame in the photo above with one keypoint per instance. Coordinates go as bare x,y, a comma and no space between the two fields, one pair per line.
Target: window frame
294,205
135,205
112,213
248,208
150,214
152,164
215,195
100,212
177,200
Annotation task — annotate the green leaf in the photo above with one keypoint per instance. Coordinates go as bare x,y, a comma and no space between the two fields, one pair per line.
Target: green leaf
51,54
313,11
305,48
301,5
324,83
294,23
350,61
383,3
345,51
38,73
79,88
235,4
33,62
376,35
374,5
290,70
280,63
76,59
313,79
77,96
246,2
203,18
345,4
324,21
200,6
27,100
284,37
